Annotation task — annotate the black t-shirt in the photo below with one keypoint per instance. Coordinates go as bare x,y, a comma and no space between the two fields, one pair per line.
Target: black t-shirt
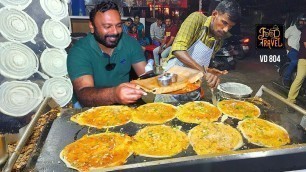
302,52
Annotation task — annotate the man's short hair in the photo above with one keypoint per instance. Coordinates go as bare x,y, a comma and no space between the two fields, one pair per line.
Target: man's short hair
129,19
136,16
302,17
102,7
232,8
159,17
131,26
168,17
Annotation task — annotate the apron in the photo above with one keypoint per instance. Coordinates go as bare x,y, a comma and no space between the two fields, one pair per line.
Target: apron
198,51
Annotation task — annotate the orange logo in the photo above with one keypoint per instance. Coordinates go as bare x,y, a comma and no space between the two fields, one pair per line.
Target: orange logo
270,36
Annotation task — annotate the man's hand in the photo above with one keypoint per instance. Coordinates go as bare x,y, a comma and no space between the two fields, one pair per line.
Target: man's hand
212,80
160,41
287,45
126,93
216,71
160,50
212,77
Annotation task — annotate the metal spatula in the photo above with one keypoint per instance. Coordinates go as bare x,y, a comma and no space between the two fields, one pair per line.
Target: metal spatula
213,95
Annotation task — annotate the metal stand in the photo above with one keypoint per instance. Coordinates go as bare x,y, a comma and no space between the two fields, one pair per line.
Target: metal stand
294,106
272,93
45,107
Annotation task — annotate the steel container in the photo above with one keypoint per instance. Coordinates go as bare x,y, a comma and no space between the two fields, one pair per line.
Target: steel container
164,80
233,90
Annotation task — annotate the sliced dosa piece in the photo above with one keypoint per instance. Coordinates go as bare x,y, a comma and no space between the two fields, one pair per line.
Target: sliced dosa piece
263,133
238,109
97,151
154,113
159,141
197,112
189,88
104,116
151,85
210,138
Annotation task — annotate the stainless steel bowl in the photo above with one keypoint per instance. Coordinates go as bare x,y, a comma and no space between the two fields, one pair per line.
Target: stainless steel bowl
173,76
164,80
233,90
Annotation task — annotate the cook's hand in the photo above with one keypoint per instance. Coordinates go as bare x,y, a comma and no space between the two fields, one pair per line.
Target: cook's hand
126,93
212,76
212,80
216,71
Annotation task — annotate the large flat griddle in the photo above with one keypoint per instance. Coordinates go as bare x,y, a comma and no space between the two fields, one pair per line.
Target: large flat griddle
249,157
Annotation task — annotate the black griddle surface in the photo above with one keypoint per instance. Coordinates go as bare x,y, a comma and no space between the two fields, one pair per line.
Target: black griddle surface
64,132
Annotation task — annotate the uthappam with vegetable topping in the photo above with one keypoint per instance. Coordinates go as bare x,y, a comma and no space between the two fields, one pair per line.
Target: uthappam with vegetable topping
159,141
208,138
97,151
104,116
154,113
197,112
238,109
263,133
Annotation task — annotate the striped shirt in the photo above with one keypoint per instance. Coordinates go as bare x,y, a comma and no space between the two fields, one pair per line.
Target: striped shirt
191,30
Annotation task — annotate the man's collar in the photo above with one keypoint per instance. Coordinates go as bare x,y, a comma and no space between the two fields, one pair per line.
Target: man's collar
207,22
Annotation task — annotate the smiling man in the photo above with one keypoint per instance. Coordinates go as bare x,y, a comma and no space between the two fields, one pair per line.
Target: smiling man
99,64
200,37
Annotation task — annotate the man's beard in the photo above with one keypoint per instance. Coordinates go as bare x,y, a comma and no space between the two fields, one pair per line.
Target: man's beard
300,27
103,39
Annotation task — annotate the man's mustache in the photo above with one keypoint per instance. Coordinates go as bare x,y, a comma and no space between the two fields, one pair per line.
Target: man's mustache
113,36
